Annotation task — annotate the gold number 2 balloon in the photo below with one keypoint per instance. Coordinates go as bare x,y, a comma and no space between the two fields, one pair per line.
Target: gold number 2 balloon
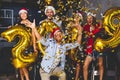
111,23
18,58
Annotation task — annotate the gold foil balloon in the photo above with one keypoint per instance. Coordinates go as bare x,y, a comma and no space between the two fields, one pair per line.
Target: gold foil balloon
19,59
73,52
111,23
46,27
110,17
48,1
99,45
72,34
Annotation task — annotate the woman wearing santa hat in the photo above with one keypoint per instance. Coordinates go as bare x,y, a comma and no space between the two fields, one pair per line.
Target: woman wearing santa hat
23,15
92,30
78,19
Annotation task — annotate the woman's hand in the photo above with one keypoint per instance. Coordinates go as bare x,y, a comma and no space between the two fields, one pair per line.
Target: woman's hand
30,24
25,22
33,24
79,34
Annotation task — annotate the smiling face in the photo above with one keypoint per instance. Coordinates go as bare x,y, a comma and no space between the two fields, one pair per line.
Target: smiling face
58,36
90,19
77,17
49,13
23,15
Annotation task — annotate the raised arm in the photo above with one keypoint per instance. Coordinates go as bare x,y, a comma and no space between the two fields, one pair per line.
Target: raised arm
34,31
79,33
34,42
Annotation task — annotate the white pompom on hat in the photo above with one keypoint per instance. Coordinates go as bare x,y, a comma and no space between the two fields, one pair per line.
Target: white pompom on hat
90,13
50,7
22,10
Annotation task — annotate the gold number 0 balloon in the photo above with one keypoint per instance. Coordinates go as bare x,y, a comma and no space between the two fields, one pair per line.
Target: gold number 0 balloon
111,23
19,59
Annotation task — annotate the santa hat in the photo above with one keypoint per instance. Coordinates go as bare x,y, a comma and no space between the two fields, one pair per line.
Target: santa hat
50,7
79,14
55,30
92,14
22,10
